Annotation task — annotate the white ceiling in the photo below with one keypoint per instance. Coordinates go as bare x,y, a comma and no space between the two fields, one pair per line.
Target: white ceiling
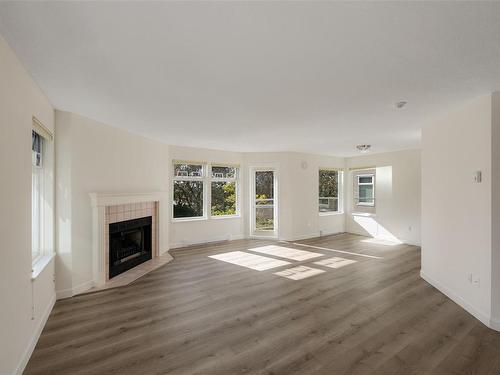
315,77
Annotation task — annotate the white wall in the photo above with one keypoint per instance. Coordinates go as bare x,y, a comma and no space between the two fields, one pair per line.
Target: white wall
456,212
298,193
495,189
93,157
397,197
183,233
297,196
23,309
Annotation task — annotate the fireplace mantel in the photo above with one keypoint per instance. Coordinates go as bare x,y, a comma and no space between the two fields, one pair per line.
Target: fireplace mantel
99,203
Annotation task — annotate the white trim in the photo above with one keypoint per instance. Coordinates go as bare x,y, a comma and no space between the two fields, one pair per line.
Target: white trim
228,237
495,324
40,265
221,217
70,292
310,235
478,314
188,219
34,338
331,213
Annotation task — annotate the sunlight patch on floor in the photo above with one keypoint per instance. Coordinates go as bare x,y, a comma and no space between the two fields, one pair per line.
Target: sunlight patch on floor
286,252
252,261
335,262
337,251
299,273
380,241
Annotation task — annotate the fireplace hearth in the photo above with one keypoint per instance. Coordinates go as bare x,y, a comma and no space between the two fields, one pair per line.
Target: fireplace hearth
130,244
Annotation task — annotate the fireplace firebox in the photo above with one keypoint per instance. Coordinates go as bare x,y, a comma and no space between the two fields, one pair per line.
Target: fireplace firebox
129,244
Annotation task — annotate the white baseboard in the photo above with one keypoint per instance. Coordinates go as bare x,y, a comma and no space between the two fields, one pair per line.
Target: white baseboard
34,338
70,292
206,241
495,324
455,297
311,235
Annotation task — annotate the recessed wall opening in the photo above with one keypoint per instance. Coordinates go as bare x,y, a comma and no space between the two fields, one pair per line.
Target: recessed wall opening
129,244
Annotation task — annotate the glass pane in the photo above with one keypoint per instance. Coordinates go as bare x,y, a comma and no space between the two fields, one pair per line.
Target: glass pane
223,198
328,204
264,218
366,193
223,172
188,170
366,180
36,149
264,185
328,190
188,199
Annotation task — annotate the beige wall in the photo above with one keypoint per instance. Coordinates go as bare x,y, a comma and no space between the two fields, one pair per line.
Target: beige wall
456,212
495,189
396,214
20,99
298,193
183,233
93,157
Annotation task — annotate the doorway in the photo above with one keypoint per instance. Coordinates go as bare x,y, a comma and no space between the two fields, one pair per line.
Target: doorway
264,212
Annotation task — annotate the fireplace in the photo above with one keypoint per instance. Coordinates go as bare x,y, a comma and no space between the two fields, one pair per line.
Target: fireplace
130,244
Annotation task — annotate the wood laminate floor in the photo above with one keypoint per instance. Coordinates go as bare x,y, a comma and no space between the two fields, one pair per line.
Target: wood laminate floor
362,310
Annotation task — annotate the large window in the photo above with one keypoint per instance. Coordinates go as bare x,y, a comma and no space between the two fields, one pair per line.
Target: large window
329,187
37,192
188,191
224,190
191,200
366,189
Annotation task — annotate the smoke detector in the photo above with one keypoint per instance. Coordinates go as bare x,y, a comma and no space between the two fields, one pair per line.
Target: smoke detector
363,148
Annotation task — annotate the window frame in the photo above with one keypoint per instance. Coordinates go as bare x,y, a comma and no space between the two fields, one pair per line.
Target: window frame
38,172
201,178
340,190
45,200
206,180
235,179
372,183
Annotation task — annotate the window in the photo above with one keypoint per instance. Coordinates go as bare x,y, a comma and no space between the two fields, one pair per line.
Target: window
188,191
366,190
224,191
193,182
37,191
329,187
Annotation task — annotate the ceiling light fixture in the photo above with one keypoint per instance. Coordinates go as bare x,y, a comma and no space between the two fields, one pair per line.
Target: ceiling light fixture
363,148
401,104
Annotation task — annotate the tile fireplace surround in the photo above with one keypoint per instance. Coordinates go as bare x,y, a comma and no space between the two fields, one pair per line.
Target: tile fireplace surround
110,208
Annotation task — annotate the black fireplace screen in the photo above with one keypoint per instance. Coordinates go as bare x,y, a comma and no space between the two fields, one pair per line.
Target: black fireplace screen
129,244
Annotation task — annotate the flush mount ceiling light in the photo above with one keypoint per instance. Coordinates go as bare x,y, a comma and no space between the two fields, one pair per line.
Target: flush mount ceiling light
363,148
401,104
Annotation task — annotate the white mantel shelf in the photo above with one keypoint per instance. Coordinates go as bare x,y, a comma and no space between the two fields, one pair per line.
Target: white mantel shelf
99,202
113,199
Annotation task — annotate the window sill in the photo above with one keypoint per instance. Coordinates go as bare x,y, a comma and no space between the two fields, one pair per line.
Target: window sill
187,219
333,213
222,217
365,214
40,265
